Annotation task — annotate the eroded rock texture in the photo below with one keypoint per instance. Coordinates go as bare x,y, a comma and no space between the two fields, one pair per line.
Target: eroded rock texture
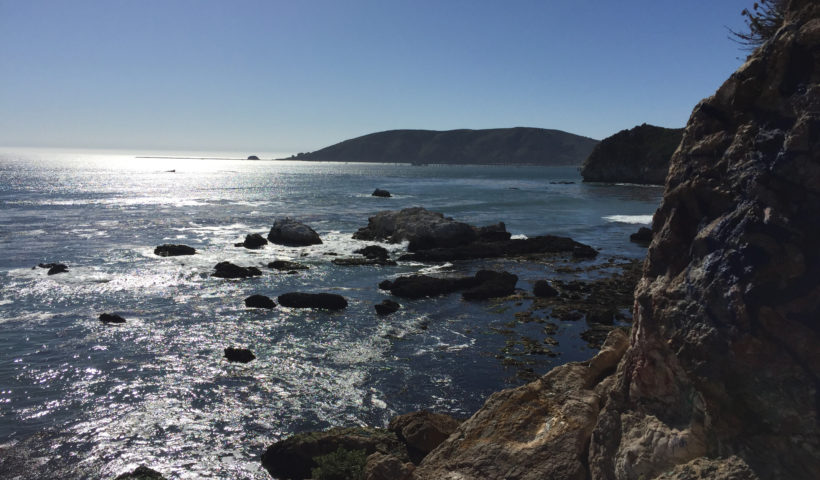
724,358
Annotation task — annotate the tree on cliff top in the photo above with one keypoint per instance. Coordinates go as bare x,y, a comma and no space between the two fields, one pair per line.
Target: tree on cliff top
762,20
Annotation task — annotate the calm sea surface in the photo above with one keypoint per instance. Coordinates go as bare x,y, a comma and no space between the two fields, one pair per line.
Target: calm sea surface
77,396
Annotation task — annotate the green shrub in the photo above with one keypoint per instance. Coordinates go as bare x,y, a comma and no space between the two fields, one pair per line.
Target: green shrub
342,464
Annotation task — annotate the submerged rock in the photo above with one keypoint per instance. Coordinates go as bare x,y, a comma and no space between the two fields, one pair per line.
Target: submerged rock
327,301
286,265
289,232
380,193
111,318
386,307
259,301
229,270
240,355
173,250
484,284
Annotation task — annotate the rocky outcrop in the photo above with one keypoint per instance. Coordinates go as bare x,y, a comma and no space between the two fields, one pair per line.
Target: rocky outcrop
421,227
229,270
380,193
386,307
286,265
422,431
141,473
536,431
253,241
543,289
111,318
259,301
724,359
483,285
239,355
642,237
54,268
253,157
287,231
327,301
546,244
173,250
638,155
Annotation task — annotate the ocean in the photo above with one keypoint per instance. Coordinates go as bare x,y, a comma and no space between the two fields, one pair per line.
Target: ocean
79,398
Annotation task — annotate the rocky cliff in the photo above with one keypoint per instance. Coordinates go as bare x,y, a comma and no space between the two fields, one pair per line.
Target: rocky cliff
638,155
499,146
720,379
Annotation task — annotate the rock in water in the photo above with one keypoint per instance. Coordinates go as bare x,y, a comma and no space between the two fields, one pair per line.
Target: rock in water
253,157
643,236
386,307
289,232
111,318
229,270
491,285
172,250
380,193
241,355
422,228
724,359
327,301
253,241
54,268
286,265
259,301
141,473
543,289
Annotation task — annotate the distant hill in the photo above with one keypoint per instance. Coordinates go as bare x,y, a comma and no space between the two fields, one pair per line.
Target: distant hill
500,146
638,155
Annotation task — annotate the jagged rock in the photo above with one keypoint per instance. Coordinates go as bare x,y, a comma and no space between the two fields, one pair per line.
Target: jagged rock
259,301
54,268
732,468
536,431
292,458
421,227
327,301
286,265
509,248
141,473
111,318
173,250
724,359
386,307
229,270
381,466
422,431
543,289
253,241
380,193
643,236
638,155
241,355
491,285
287,231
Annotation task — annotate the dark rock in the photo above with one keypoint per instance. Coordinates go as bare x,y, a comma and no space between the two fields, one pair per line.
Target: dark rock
141,473
422,228
172,250
286,231
357,261
511,248
374,252
543,289
380,193
253,157
491,285
54,268
241,355
422,431
643,236
286,265
584,251
494,233
639,155
111,318
229,270
293,457
328,301
418,286
259,301
603,316
253,241
380,466
386,307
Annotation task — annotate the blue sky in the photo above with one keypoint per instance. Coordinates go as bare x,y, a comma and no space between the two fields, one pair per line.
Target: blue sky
288,76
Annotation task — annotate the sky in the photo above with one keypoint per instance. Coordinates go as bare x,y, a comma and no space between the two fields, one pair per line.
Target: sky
299,75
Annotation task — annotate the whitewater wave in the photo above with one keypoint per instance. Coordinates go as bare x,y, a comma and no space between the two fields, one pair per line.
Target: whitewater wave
636,219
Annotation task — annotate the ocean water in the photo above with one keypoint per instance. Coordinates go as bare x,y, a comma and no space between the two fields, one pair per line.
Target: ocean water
80,398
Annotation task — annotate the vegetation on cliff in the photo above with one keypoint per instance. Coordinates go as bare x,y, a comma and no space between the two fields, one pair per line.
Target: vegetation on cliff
501,146
638,155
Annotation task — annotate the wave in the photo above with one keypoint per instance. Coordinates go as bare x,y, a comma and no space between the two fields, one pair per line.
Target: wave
637,219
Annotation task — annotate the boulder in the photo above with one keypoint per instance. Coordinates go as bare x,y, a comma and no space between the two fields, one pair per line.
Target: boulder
643,236
229,270
422,228
259,301
54,268
289,232
327,301
286,265
172,250
111,318
374,252
418,286
543,289
380,193
293,457
422,431
253,241
386,307
491,285
141,473
382,466
240,355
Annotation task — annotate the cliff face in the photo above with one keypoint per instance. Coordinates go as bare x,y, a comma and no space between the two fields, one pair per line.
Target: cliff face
638,155
500,146
721,376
